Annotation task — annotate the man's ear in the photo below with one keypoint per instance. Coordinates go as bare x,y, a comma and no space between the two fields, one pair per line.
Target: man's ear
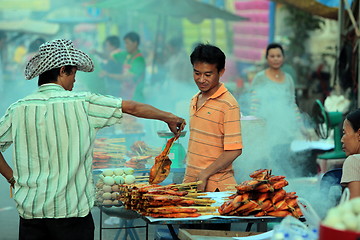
358,134
222,72
62,71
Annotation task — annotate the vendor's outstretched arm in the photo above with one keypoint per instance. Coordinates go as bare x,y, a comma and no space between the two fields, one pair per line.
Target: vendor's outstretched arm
5,169
147,111
223,161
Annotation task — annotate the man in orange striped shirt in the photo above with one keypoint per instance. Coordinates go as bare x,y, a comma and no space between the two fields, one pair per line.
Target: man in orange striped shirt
215,134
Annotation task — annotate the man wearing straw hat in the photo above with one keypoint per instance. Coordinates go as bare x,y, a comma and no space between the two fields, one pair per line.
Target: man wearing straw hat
53,131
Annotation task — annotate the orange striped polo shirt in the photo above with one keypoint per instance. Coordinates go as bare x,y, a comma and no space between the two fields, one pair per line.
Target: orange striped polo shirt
214,128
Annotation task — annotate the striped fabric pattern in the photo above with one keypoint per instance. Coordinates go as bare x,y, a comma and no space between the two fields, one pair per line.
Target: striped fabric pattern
214,128
53,132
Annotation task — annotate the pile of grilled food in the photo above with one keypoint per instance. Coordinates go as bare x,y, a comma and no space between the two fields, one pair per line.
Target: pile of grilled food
170,201
263,195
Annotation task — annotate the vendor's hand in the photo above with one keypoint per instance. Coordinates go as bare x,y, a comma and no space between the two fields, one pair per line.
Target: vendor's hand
176,125
12,182
203,178
201,187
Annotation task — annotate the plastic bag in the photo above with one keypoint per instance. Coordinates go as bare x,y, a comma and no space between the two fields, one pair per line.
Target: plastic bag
312,218
293,229
345,196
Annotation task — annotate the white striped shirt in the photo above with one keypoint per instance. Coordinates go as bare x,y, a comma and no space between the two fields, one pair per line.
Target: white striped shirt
53,131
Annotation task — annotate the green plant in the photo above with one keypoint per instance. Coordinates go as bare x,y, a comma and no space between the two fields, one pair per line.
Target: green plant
302,24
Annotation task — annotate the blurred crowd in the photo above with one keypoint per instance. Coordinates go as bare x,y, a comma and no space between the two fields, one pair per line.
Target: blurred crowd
125,66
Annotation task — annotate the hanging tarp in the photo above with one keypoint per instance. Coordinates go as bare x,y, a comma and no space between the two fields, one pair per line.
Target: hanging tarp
314,7
332,3
194,11
29,26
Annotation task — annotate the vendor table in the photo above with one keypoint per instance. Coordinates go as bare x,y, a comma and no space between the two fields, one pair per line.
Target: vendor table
209,219
261,222
127,216
219,197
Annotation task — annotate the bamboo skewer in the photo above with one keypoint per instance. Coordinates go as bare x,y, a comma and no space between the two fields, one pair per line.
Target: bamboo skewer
202,208
209,213
113,140
141,178
204,200
194,194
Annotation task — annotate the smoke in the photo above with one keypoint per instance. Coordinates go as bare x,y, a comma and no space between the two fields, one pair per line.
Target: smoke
268,134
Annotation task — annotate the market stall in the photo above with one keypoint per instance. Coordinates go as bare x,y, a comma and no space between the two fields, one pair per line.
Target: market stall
259,200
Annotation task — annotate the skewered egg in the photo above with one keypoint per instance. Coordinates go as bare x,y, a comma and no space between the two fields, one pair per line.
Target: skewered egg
106,196
119,171
129,179
107,202
108,172
119,180
107,188
109,180
114,195
129,171
115,188
100,184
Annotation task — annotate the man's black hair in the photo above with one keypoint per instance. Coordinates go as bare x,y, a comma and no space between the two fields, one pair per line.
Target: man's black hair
207,53
133,36
114,41
51,75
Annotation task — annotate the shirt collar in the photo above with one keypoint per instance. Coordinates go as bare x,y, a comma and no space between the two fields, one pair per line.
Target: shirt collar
49,87
222,89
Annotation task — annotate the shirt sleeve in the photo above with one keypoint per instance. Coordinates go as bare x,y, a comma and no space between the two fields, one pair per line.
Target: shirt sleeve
104,111
5,131
119,57
232,129
351,169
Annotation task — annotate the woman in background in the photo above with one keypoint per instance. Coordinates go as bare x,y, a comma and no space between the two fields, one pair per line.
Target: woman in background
273,99
351,146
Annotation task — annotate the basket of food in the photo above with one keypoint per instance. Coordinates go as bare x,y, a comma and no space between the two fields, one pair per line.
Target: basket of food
342,222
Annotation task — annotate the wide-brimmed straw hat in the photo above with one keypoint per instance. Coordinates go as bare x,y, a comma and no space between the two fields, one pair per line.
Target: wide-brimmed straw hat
55,54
